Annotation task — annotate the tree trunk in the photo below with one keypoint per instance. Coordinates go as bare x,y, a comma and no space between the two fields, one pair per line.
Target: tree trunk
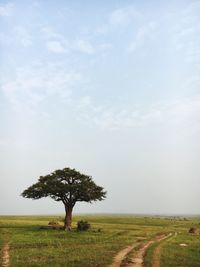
68,219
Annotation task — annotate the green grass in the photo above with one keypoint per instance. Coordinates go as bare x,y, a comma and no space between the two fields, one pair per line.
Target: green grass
175,255
32,246
172,254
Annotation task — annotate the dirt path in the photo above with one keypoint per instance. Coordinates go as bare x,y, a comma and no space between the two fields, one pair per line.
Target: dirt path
5,258
157,252
138,260
121,255
156,256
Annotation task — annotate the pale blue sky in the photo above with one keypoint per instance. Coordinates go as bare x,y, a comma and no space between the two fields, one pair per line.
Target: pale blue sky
111,88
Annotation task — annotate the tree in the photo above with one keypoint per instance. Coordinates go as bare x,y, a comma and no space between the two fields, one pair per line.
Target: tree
68,186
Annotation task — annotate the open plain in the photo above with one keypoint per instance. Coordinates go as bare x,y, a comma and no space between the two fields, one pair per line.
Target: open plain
113,240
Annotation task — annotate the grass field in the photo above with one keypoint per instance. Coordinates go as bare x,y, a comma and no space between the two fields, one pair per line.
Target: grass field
32,246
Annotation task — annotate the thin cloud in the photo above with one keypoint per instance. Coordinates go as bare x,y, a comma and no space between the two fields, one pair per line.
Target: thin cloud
56,47
49,34
6,10
186,38
143,34
180,113
56,43
32,85
84,46
117,120
19,35
23,37
81,46
186,110
105,46
110,118
119,17
123,16
84,102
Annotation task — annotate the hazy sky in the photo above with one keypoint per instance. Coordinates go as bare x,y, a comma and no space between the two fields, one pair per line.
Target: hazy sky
111,88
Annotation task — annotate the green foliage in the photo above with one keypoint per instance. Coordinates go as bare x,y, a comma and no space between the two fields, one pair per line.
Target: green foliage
83,225
68,186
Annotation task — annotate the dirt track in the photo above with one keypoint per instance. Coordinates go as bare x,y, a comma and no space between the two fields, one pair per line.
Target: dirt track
157,252
121,255
138,259
5,258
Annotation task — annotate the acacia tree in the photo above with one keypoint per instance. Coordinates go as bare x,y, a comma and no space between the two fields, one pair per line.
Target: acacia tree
68,186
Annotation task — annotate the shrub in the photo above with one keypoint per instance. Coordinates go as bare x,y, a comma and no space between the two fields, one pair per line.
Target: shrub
83,225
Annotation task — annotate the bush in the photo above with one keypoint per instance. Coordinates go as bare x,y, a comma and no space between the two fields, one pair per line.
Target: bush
83,226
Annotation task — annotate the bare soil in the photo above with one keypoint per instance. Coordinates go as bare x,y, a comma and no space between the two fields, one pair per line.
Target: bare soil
121,255
5,258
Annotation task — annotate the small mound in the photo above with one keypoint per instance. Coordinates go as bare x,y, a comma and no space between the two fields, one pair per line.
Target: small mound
193,231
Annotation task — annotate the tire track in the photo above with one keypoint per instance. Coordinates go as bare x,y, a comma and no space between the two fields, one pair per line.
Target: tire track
5,258
138,260
157,253
121,255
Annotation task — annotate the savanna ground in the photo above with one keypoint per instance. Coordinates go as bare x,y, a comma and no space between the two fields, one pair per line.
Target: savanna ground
29,245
